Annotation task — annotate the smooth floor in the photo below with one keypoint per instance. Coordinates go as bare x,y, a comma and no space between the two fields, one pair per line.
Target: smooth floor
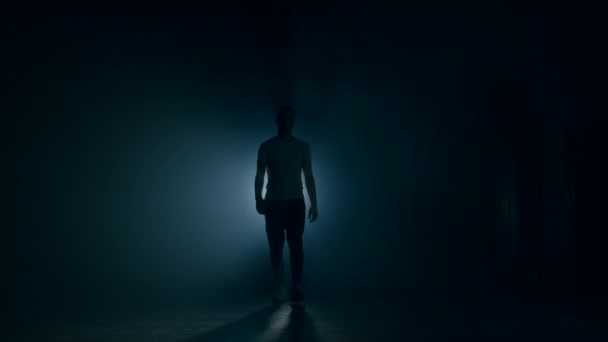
409,318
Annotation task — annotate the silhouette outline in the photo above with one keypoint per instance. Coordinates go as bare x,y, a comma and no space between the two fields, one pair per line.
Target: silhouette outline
283,158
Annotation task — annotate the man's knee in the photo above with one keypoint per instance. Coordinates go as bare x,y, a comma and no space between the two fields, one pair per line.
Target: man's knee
295,242
276,244
295,233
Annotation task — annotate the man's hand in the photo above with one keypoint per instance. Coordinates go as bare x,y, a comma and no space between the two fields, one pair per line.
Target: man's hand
312,214
260,206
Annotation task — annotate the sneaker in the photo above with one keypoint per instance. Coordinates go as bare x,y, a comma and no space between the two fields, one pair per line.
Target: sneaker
297,295
280,295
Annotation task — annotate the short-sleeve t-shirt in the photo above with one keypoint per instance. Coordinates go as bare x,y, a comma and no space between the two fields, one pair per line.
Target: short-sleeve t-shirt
284,160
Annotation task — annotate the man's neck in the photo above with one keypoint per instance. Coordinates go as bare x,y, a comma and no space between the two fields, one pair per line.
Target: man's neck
285,136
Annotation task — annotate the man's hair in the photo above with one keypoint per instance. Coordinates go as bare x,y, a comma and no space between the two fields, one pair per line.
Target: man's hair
286,108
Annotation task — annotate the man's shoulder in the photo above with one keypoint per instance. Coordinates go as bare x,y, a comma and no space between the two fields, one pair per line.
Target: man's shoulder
301,142
267,142
275,140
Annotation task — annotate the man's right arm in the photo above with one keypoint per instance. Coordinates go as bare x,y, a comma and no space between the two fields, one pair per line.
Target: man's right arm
259,179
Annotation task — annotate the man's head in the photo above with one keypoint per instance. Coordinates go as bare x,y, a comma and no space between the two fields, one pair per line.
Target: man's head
286,118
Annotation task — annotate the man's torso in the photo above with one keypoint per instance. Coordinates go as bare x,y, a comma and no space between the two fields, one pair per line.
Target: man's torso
284,161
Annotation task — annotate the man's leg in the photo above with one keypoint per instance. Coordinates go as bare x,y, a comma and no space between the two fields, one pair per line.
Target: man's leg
276,240
296,218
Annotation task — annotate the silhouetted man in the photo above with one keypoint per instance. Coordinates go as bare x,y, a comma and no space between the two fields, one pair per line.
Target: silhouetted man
284,157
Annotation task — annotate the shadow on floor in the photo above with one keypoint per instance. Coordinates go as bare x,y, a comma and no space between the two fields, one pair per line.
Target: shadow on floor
277,322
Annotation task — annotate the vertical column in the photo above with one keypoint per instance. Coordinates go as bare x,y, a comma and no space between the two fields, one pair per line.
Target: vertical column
556,194
508,217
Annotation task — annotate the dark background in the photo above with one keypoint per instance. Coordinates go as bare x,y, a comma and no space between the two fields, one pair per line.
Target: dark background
457,148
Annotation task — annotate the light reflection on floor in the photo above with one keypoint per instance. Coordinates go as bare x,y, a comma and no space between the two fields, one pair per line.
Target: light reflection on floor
380,319
277,322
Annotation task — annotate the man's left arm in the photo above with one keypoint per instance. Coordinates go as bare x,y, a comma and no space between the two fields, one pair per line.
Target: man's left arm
309,179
